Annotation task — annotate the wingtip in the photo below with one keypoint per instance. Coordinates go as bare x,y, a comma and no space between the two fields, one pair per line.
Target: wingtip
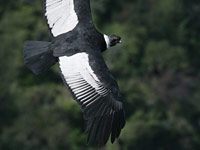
101,129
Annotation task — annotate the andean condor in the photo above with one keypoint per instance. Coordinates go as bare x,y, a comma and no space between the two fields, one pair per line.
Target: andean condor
77,46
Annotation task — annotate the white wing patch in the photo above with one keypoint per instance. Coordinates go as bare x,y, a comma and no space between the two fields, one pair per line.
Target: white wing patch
61,16
81,79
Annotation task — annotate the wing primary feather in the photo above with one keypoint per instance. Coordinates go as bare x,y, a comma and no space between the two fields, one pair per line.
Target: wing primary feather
99,110
94,131
99,101
80,92
103,110
82,95
73,80
91,109
88,124
81,89
103,90
91,102
98,140
76,85
112,130
88,97
92,99
106,130
76,81
90,130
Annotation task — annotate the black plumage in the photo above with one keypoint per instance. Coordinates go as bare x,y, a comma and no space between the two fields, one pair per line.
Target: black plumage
78,49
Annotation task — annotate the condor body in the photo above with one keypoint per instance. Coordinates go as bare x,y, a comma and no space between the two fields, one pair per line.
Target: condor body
77,47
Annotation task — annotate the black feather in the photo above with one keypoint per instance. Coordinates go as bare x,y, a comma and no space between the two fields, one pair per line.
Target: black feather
37,56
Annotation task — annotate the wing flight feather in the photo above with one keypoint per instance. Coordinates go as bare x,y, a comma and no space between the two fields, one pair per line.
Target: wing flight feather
61,16
102,110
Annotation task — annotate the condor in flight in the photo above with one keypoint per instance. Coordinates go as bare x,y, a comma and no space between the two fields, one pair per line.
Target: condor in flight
77,46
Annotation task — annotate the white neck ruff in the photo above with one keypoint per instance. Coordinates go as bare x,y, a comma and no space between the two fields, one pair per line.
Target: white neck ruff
107,41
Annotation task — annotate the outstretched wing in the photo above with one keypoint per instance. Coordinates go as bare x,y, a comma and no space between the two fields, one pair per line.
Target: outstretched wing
64,15
93,87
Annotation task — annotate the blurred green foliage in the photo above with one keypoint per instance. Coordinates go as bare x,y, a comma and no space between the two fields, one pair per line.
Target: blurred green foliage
157,68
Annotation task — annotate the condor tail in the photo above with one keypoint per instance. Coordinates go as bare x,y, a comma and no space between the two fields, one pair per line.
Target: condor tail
38,57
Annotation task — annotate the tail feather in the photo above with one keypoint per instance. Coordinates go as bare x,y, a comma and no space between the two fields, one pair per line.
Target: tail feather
37,56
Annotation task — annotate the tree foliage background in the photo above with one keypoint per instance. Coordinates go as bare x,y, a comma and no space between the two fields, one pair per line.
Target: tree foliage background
157,68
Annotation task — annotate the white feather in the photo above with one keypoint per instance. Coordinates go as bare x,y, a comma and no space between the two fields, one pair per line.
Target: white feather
106,38
76,69
61,16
